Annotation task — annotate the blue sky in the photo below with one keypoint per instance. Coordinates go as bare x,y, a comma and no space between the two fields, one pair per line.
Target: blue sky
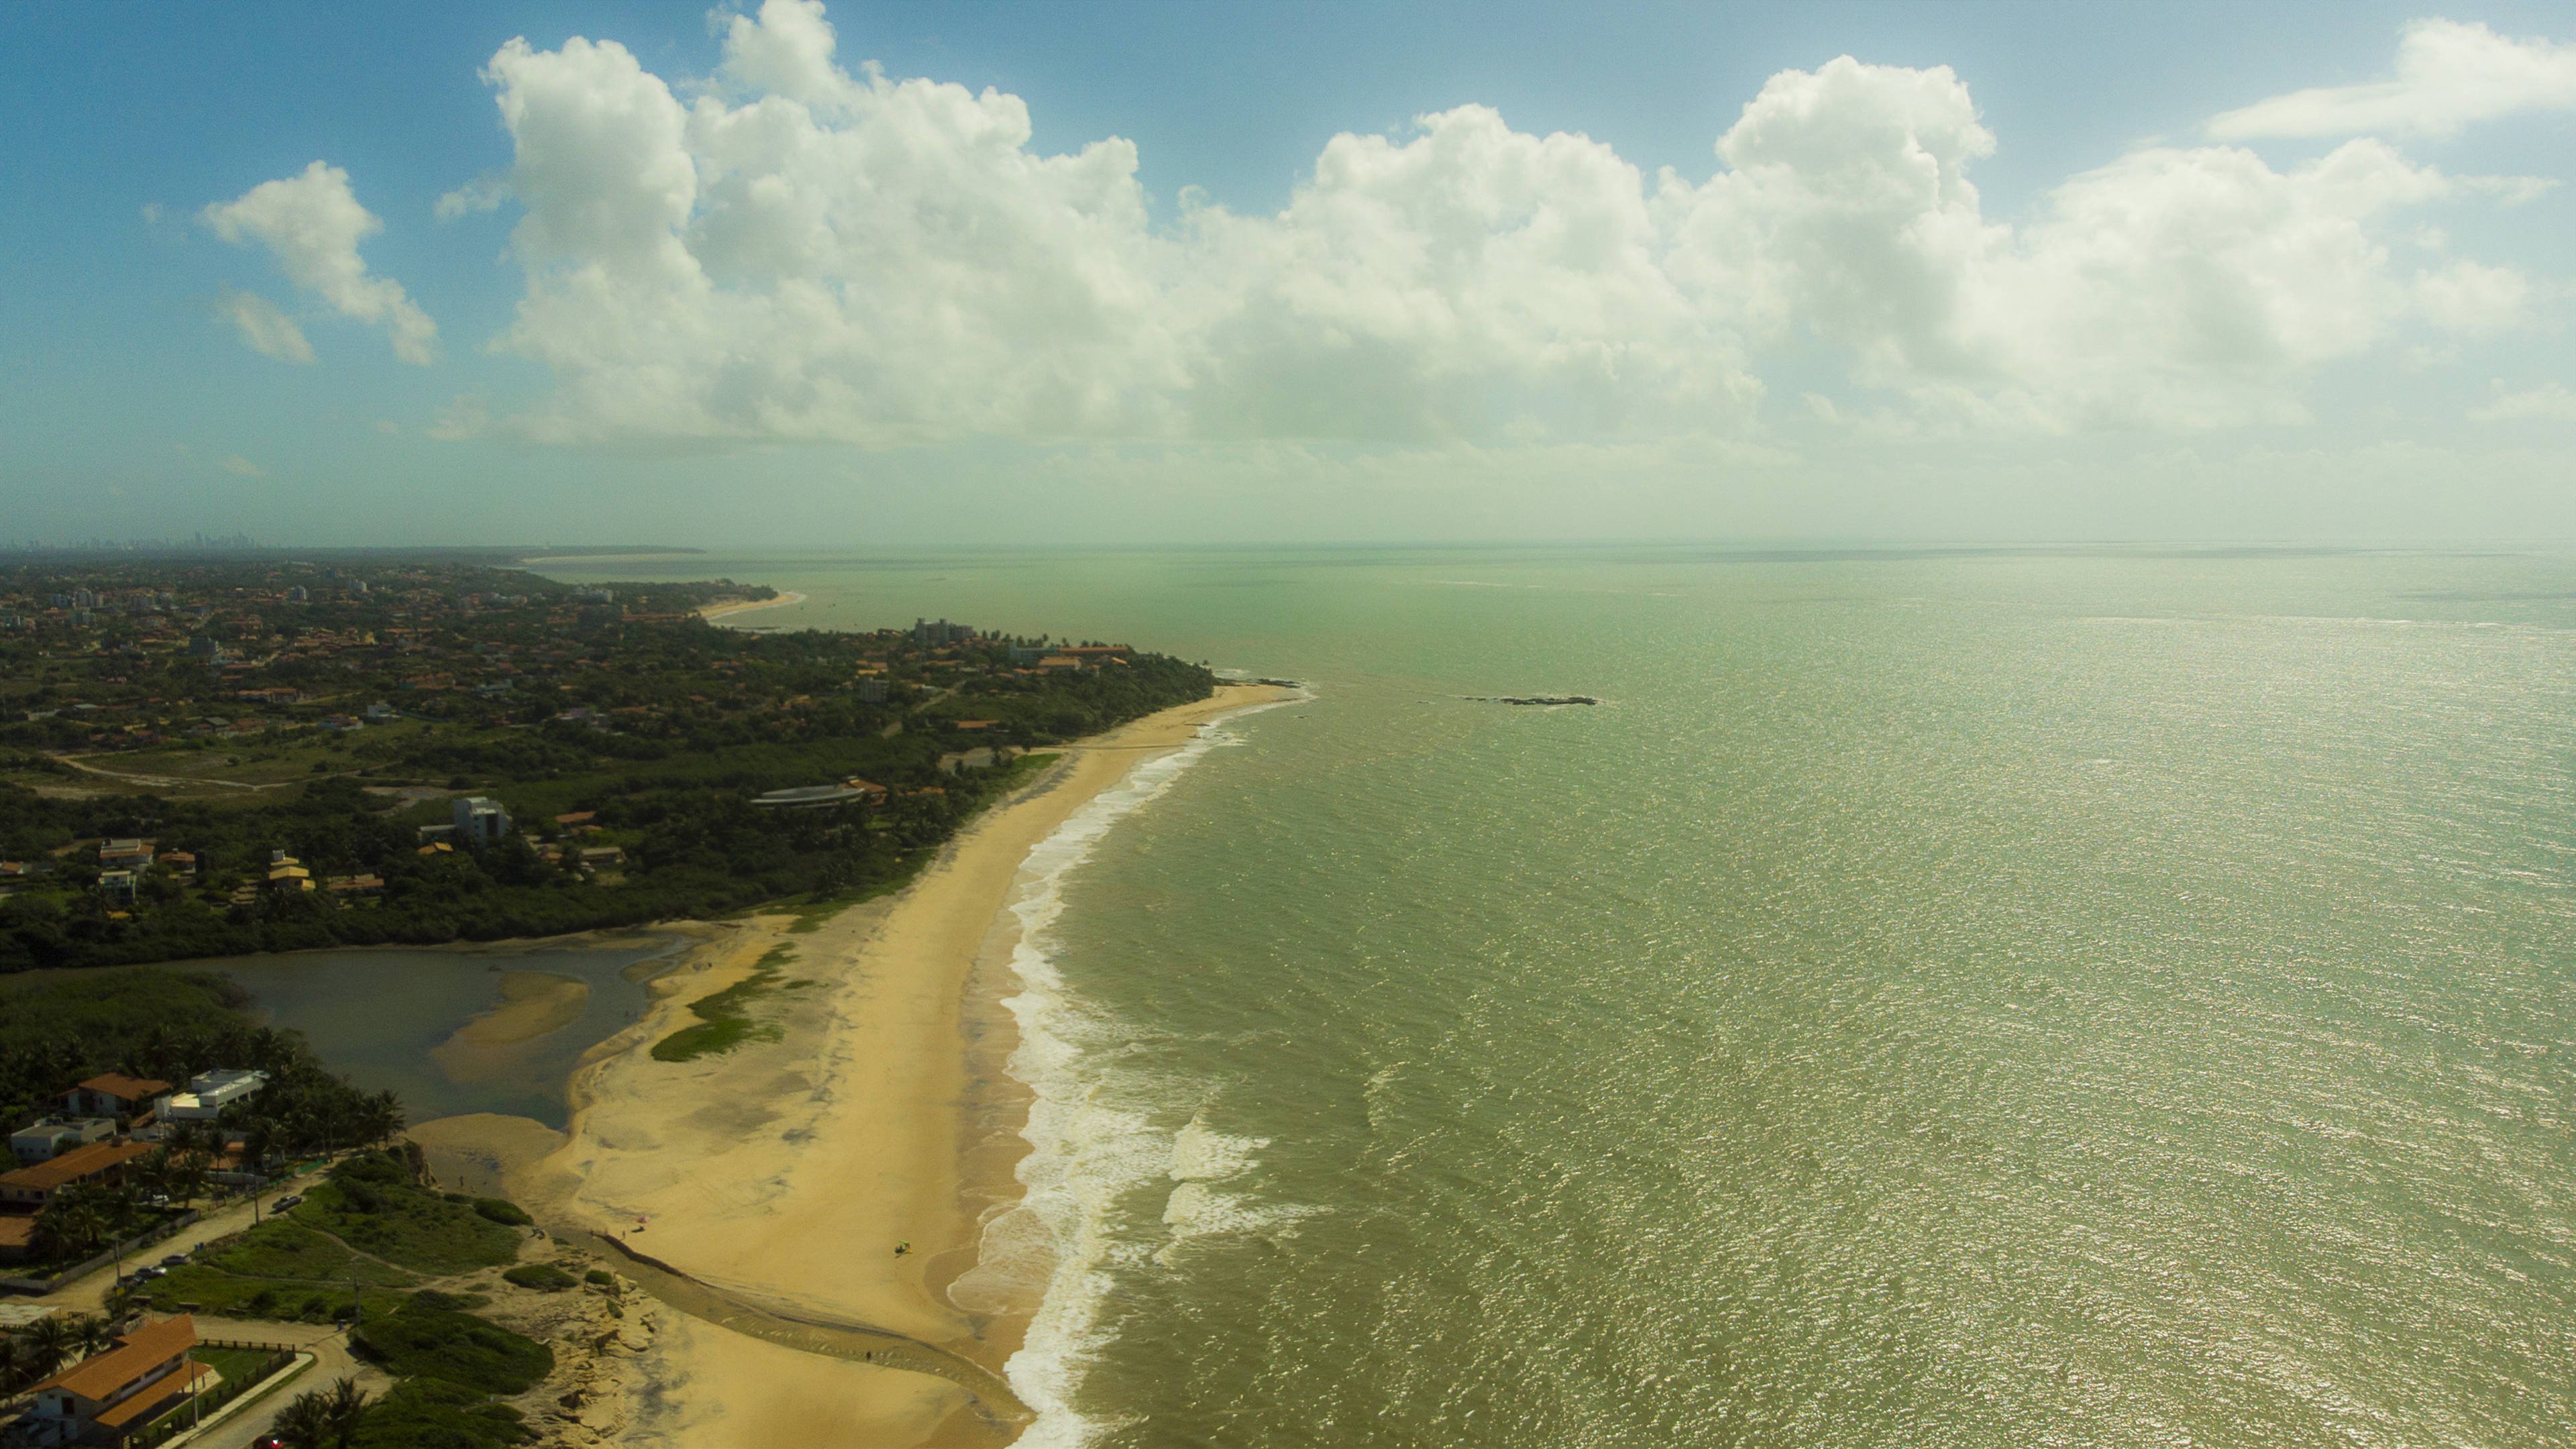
1236,364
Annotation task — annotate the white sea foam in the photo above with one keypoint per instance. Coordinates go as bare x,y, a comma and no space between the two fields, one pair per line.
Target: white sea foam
1093,1129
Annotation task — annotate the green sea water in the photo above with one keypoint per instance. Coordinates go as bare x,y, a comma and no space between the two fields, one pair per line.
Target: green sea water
1934,1000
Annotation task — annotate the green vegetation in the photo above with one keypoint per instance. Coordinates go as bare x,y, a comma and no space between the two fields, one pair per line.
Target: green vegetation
164,1026
429,1337
429,1414
55,1031
503,1211
279,1248
600,1278
214,710
543,1277
340,1248
372,1203
724,1017
237,1365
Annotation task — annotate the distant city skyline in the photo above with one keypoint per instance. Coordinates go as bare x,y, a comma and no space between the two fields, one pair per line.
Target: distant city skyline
779,275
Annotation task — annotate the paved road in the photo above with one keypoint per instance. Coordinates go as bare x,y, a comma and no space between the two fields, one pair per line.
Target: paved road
329,1345
88,1294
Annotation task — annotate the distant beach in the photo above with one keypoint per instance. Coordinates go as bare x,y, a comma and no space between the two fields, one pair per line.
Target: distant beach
875,1113
745,606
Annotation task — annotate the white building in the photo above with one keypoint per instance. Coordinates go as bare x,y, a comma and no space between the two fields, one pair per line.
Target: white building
45,1140
481,820
209,1093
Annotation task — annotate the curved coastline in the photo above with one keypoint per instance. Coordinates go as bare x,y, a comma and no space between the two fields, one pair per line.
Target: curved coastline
783,1174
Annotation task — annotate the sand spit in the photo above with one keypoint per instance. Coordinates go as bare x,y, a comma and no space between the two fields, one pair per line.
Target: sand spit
770,1186
713,612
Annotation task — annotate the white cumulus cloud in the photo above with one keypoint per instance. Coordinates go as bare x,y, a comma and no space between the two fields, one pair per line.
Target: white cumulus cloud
268,331
797,251
312,224
2449,74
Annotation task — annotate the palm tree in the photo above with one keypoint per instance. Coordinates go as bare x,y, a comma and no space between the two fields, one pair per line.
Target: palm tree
53,1338
307,1421
344,1407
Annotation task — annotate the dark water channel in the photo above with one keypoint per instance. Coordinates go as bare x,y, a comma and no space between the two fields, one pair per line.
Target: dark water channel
386,1017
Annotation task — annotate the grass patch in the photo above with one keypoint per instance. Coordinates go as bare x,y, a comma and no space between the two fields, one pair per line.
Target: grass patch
279,1248
237,1365
370,1205
724,1017
429,1338
224,1295
502,1211
543,1277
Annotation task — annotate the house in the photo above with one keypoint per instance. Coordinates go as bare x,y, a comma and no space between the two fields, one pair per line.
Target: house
345,886
107,1397
124,854
577,817
290,877
209,1093
30,1188
112,1095
972,724
54,1136
117,886
17,1237
177,862
1059,664
379,712
481,820
599,855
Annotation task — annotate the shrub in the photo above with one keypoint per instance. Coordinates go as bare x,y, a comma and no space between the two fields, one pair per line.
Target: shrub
544,1277
502,1210
429,1340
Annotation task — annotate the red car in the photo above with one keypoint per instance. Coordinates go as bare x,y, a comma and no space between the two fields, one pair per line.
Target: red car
270,1441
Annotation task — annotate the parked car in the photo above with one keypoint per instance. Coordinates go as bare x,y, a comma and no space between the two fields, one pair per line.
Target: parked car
270,1441
175,1260
288,1201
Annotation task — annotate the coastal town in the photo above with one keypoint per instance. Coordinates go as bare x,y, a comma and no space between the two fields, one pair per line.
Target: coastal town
206,756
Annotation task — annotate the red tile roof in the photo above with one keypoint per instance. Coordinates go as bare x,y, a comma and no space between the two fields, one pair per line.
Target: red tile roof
100,1375
76,1164
153,1399
130,1089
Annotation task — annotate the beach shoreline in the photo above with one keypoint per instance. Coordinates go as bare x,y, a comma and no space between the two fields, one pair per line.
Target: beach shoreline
878,1111
713,612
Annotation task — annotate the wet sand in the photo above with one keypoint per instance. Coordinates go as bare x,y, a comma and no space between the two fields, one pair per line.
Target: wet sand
785,1173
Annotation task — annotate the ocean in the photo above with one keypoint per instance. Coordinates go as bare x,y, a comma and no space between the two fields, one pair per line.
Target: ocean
1934,999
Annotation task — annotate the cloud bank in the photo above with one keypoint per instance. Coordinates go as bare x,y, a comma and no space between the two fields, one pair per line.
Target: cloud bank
797,252
311,223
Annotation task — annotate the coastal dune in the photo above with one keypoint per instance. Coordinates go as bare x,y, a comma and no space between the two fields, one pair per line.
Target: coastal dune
869,1113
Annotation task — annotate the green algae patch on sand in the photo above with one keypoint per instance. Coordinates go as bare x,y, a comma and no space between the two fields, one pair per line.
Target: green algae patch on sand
724,1017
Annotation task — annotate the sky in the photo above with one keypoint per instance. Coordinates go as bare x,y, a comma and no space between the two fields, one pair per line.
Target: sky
782,275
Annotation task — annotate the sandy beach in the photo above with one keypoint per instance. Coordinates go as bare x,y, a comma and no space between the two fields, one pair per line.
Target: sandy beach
784,1174
725,611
